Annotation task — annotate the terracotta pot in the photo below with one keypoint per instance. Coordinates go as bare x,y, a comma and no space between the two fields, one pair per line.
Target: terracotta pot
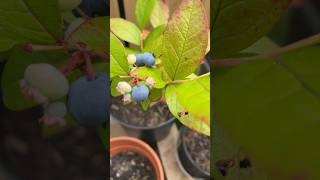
124,143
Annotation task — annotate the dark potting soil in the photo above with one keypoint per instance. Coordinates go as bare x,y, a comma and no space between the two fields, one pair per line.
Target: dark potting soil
75,154
198,146
131,166
133,113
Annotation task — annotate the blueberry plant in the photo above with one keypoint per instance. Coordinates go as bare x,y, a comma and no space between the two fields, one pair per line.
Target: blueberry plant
161,63
266,108
56,61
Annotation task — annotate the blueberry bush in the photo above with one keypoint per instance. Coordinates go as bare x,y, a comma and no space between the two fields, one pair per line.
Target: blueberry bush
55,60
266,108
162,60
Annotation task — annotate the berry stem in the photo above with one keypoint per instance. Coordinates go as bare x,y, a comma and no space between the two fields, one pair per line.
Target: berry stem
312,40
36,47
191,79
89,67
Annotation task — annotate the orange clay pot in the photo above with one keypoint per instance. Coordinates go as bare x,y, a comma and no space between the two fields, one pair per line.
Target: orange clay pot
124,143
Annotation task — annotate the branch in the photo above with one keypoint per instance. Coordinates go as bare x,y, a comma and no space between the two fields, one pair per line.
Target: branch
269,55
191,79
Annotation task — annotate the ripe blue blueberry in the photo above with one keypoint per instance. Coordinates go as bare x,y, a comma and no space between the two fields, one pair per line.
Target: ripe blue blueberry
148,59
88,100
140,93
139,60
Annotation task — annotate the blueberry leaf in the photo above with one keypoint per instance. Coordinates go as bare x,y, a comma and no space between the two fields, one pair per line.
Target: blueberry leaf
118,61
150,43
31,21
263,103
143,11
195,115
93,34
185,39
238,24
160,13
227,150
125,30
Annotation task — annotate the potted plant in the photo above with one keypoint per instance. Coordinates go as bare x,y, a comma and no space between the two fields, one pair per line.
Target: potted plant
157,71
55,71
131,158
194,153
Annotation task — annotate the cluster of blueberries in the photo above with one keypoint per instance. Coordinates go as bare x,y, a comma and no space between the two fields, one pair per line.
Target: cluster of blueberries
142,59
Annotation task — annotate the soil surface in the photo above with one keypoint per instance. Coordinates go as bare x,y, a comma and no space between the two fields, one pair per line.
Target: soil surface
198,145
133,113
131,166
76,154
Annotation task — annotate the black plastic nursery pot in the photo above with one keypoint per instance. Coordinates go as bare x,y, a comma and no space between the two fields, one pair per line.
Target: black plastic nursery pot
186,161
149,134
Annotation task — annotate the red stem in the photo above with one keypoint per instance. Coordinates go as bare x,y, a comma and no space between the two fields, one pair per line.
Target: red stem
89,67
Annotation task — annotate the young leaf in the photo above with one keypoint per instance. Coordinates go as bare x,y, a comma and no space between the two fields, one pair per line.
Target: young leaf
238,24
185,39
125,30
272,109
145,104
93,34
190,103
144,72
160,13
29,21
118,61
143,11
150,41
14,71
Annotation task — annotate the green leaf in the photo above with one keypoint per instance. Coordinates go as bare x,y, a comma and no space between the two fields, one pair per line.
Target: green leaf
29,21
238,24
118,61
145,104
160,13
132,51
185,39
225,150
125,30
93,34
197,91
273,110
14,71
145,72
143,11
150,41
155,94
263,45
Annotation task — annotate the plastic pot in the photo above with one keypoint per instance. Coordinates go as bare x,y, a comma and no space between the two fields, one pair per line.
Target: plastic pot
186,161
124,143
149,134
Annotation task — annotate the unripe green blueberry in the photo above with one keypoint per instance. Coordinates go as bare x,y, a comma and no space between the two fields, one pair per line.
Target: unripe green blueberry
131,59
47,79
123,87
56,109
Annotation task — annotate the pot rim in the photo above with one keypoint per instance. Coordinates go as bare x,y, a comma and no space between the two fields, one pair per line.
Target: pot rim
184,146
139,146
171,120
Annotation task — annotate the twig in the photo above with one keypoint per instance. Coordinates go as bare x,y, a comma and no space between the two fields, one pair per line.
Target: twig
269,55
191,79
